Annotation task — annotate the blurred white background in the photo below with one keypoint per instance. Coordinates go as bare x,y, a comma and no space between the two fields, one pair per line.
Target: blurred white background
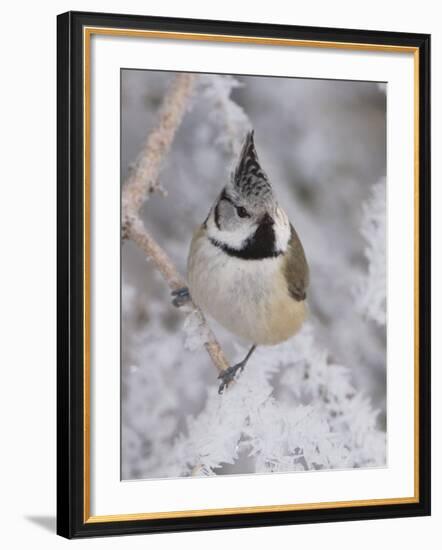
27,461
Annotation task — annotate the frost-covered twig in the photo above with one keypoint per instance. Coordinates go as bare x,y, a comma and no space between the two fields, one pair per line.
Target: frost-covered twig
322,421
143,180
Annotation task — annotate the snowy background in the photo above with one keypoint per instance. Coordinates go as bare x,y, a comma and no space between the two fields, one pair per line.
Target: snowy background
317,401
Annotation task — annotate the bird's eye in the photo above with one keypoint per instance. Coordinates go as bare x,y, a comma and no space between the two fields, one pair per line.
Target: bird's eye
242,212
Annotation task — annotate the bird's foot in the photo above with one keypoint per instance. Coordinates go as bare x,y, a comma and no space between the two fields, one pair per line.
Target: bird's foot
227,376
181,297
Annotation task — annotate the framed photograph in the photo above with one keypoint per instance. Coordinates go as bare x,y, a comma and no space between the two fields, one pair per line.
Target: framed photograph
243,274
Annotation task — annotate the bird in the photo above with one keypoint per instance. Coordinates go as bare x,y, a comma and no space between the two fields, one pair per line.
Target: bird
246,265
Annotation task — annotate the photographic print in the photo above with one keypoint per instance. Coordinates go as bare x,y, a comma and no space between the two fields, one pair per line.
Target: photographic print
264,235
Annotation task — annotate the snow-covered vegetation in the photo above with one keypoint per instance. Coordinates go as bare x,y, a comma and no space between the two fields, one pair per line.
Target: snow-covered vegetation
316,401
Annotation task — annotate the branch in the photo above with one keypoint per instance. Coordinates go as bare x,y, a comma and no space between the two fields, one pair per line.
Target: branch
143,180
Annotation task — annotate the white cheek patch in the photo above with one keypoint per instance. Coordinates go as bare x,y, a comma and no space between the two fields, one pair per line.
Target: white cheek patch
233,239
282,230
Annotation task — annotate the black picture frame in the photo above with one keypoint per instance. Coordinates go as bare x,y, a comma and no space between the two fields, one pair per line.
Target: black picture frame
71,520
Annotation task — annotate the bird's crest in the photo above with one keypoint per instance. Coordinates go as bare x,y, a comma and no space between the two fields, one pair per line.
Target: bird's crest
249,179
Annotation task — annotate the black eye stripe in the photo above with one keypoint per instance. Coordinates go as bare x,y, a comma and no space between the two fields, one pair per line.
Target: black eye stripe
242,212
225,197
216,216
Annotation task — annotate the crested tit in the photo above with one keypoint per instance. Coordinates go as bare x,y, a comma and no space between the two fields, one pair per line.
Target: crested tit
246,265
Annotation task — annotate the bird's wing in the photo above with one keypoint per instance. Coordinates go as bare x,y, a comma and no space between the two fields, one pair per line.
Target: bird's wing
296,268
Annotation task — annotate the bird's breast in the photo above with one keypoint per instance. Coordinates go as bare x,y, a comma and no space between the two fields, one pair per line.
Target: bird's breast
248,297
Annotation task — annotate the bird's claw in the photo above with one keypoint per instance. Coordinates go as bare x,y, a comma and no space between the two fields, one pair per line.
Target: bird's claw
228,375
181,297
